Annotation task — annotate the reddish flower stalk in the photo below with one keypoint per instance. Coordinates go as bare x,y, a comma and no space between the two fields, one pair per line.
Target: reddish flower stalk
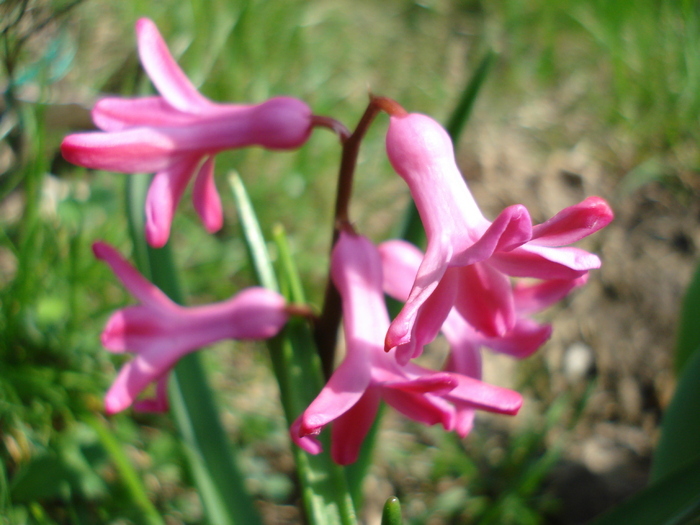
326,328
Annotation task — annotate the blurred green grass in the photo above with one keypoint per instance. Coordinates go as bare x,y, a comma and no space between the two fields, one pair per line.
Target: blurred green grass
629,71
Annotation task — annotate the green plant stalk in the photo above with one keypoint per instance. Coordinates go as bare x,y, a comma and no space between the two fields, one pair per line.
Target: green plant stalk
211,457
391,514
297,368
680,427
20,293
128,474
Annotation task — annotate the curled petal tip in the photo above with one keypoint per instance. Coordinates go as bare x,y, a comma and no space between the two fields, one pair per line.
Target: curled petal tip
309,426
396,336
112,337
144,23
114,403
100,250
156,237
305,442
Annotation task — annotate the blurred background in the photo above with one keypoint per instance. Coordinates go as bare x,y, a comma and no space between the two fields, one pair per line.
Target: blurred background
583,98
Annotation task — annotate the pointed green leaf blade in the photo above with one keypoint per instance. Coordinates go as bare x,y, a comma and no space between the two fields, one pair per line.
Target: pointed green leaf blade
680,427
298,371
673,500
219,482
688,338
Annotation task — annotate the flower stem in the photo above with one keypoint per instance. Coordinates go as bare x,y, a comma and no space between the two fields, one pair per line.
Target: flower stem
326,328
319,121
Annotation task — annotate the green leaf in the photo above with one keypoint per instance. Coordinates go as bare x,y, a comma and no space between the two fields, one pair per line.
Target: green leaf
298,372
688,338
460,115
673,500
128,474
391,515
680,428
210,455
255,242
46,476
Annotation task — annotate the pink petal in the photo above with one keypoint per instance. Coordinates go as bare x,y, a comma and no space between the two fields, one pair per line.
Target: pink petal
280,123
432,269
206,198
349,430
137,150
400,263
164,72
523,340
484,396
485,299
253,313
163,196
344,389
465,357
543,262
134,377
464,421
512,228
532,298
436,383
136,329
356,270
421,152
117,114
308,443
573,223
429,409
430,317
142,289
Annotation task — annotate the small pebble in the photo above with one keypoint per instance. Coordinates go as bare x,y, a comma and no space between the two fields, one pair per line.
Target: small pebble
579,362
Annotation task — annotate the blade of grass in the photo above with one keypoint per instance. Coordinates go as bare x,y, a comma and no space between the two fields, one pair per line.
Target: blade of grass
210,455
688,338
128,474
298,371
680,427
669,501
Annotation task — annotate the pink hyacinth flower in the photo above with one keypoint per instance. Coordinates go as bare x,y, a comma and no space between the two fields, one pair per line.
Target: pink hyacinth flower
177,134
367,374
400,263
160,332
469,259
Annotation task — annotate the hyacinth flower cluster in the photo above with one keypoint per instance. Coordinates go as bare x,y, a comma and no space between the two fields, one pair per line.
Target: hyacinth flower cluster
463,285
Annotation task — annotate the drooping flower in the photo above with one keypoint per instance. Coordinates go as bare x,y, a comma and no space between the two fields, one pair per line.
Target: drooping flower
400,263
177,134
367,374
468,258
161,332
